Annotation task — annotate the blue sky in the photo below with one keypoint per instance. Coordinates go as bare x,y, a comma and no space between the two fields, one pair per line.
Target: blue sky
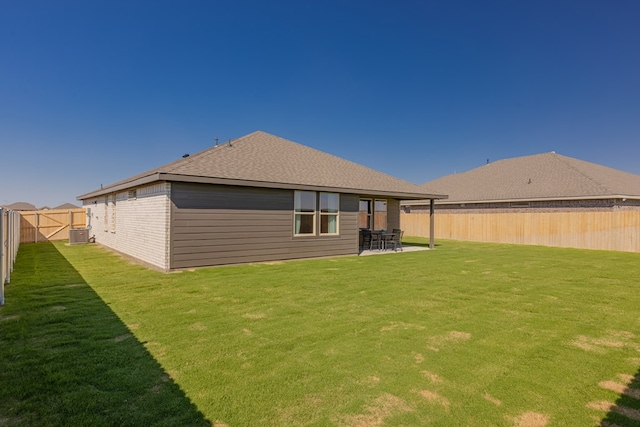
92,92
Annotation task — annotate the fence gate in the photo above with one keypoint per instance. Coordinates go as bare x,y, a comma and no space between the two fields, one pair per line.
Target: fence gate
49,225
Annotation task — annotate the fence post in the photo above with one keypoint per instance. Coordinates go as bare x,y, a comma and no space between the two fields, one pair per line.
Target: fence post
2,257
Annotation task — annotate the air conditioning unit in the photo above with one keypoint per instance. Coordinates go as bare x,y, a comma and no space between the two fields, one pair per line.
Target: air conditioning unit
78,236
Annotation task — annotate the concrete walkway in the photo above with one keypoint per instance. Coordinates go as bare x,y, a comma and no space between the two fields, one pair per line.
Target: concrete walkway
367,252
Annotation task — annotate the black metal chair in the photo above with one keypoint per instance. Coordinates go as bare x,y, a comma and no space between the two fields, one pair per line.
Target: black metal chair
397,237
365,241
376,241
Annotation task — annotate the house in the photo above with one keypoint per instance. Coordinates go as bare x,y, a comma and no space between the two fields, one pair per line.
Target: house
66,206
20,206
257,198
546,199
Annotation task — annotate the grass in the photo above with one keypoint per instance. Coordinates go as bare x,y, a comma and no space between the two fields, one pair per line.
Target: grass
469,334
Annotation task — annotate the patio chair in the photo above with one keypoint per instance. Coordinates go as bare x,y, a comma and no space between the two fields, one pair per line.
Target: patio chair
376,241
365,239
390,241
397,237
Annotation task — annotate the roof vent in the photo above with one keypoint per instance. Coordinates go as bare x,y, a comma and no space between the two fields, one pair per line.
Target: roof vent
184,156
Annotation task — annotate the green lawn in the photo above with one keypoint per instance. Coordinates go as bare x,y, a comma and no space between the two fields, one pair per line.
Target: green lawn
466,335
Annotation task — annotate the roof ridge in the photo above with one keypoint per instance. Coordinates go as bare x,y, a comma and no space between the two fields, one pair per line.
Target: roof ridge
561,158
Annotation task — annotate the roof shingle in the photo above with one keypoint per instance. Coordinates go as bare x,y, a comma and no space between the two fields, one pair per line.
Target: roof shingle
271,161
539,176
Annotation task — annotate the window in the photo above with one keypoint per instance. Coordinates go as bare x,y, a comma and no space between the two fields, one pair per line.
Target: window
364,214
329,208
380,215
106,213
113,213
304,206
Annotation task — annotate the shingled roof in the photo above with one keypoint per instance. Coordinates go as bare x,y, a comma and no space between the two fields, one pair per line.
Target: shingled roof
264,160
546,176
20,206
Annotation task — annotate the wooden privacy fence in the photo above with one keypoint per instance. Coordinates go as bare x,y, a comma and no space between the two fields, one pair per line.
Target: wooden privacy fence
49,225
9,243
618,230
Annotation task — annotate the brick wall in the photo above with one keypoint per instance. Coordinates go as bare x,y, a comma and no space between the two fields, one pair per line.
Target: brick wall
137,224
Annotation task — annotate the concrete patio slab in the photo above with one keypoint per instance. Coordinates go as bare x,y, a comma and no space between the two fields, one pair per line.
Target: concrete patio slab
367,252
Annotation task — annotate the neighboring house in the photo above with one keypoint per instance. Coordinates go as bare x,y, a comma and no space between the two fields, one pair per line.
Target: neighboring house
256,198
66,206
546,199
20,206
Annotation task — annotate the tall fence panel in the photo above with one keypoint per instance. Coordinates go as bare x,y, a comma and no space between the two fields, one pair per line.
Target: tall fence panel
614,230
50,225
9,244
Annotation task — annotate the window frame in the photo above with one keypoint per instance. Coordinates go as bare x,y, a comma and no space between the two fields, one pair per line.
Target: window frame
335,214
375,213
298,212
369,214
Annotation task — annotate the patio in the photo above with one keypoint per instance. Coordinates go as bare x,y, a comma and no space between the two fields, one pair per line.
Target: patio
367,252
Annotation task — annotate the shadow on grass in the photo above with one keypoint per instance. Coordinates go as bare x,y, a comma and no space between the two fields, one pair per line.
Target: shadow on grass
626,411
67,359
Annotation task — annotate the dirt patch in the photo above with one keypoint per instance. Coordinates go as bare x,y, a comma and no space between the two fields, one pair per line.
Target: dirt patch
219,424
492,399
434,378
630,413
254,315
9,317
605,406
402,325
133,326
75,285
615,339
453,337
419,358
531,419
601,405
247,332
58,308
122,337
198,326
620,389
435,398
370,382
626,377
384,406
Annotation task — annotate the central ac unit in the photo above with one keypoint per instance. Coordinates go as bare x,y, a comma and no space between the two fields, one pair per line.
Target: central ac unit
78,236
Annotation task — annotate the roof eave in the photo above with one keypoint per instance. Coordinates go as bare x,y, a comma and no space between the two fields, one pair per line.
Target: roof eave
123,186
161,176
535,199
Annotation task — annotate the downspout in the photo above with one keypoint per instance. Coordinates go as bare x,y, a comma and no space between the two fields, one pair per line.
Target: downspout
431,222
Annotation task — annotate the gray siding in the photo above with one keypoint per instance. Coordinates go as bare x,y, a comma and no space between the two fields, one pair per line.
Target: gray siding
216,225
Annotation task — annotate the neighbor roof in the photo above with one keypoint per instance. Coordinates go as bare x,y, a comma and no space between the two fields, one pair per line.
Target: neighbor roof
546,176
66,206
264,160
20,206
